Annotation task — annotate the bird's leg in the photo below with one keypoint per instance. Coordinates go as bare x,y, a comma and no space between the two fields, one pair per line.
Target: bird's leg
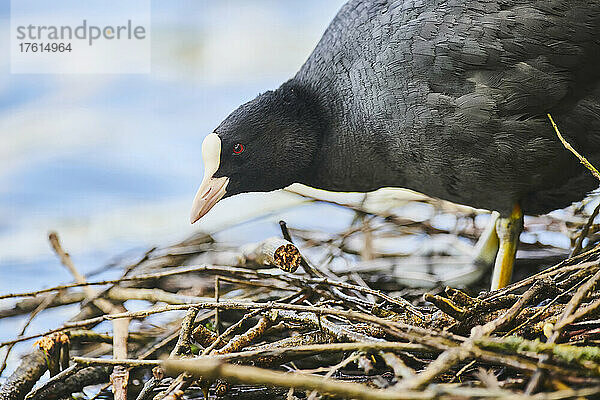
487,246
508,231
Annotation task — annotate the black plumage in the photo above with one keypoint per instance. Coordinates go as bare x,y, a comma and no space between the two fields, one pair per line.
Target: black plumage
445,97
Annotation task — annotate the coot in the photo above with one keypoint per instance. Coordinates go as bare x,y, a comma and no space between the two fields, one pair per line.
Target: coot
445,97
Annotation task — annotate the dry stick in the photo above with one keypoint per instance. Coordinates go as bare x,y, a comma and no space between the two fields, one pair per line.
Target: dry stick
512,312
73,383
360,282
203,336
594,172
236,270
100,391
120,375
571,307
213,369
152,295
338,332
333,370
183,381
258,376
393,327
149,386
25,376
229,331
367,252
63,374
303,262
462,370
35,312
26,306
396,301
141,277
166,340
256,284
401,370
176,388
312,349
285,231
516,361
581,158
234,344
584,232
582,312
273,251
20,382
182,345
157,373
455,355
34,365
233,270
549,273
541,310
289,352
217,295
243,340
574,303
231,375
128,269
120,294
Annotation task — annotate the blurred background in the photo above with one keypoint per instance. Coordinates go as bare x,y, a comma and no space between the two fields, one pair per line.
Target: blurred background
112,162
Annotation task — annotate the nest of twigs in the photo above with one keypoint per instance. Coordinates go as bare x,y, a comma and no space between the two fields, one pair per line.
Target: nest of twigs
268,321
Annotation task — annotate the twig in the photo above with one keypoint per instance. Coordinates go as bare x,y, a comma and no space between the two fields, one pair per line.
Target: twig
217,295
221,338
73,383
47,301
575,301
232,270
183,343
334,369
289,353
394,327
243,340
32,367
584,232
581,158
457,354
119,376
141,277
56,378
285,231
273,251
212,369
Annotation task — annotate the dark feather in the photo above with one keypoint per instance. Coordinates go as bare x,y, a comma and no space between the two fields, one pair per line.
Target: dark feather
449,98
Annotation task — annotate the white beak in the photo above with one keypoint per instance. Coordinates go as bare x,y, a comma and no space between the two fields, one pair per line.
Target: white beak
211,189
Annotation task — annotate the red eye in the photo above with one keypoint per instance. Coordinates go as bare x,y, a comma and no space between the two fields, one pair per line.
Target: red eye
238,148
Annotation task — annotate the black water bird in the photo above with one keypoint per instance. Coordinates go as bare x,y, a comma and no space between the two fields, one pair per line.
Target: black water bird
445,97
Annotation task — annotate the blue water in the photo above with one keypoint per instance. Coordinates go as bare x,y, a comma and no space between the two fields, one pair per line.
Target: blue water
112,161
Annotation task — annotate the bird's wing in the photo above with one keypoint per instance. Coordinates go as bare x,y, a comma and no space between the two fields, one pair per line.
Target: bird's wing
529,56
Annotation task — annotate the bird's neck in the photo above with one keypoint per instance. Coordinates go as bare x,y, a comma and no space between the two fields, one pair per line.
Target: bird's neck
345,163
346,156
301,131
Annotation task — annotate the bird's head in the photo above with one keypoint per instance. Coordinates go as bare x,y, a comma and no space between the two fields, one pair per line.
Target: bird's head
266,144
